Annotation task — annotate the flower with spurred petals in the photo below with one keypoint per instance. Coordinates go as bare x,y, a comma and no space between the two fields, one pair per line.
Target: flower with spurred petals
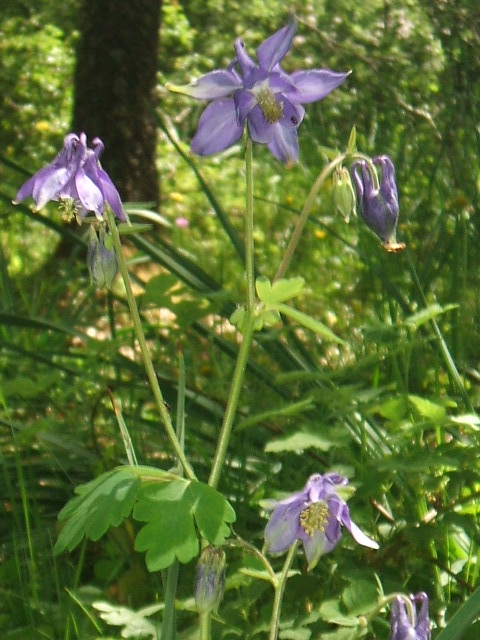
261,95
76,179
378,206
405,629
314,516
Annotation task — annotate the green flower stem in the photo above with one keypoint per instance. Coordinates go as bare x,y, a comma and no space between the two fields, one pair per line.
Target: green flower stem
248,329
309,202
387,601
147,360
249,246
205,626
305,212
249,548
168,631
127,441
279,591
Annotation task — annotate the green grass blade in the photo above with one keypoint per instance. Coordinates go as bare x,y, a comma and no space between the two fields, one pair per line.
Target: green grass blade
462,619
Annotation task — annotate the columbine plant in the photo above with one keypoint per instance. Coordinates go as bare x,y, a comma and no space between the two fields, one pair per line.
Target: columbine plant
265,104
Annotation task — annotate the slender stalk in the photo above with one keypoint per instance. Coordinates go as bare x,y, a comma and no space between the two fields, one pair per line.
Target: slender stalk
279,591
250,548
168,631
169,626
309,202
147,360
305,212
249,246
127,441
242,358
205,626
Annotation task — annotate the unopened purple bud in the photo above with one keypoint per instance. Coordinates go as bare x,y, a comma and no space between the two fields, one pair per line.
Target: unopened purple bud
210,579
378,206
101,259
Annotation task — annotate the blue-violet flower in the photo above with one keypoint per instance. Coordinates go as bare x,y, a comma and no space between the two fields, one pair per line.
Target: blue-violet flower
378,206
405,629
314,516
262,95
76,179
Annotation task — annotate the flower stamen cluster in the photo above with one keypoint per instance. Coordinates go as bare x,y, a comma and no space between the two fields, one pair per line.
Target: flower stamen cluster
272,110
314,518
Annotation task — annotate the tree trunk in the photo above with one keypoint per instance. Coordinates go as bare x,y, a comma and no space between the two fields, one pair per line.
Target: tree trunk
115,80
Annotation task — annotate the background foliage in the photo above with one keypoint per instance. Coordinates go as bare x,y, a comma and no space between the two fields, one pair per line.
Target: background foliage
387,408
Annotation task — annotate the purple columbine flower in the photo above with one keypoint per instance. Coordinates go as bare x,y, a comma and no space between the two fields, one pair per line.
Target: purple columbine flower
405,629
76,177
262,95
378,207
314,516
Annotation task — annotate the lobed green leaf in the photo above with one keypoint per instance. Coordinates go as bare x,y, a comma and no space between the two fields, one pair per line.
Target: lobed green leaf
177,511
174,513
280,291
99,504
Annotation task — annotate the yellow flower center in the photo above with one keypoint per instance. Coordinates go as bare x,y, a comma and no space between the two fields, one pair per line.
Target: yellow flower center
68,209
314,518
272,110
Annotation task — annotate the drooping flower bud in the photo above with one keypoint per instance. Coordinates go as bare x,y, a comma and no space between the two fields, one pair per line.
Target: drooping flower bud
101,259
343,195
378,206
210,579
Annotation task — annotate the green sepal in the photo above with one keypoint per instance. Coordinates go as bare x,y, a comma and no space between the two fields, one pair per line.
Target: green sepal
352,141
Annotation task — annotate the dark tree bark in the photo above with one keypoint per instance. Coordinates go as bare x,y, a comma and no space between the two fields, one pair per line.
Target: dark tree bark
115,89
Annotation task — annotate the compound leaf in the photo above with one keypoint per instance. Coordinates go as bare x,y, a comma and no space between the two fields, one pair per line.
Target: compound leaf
176,512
